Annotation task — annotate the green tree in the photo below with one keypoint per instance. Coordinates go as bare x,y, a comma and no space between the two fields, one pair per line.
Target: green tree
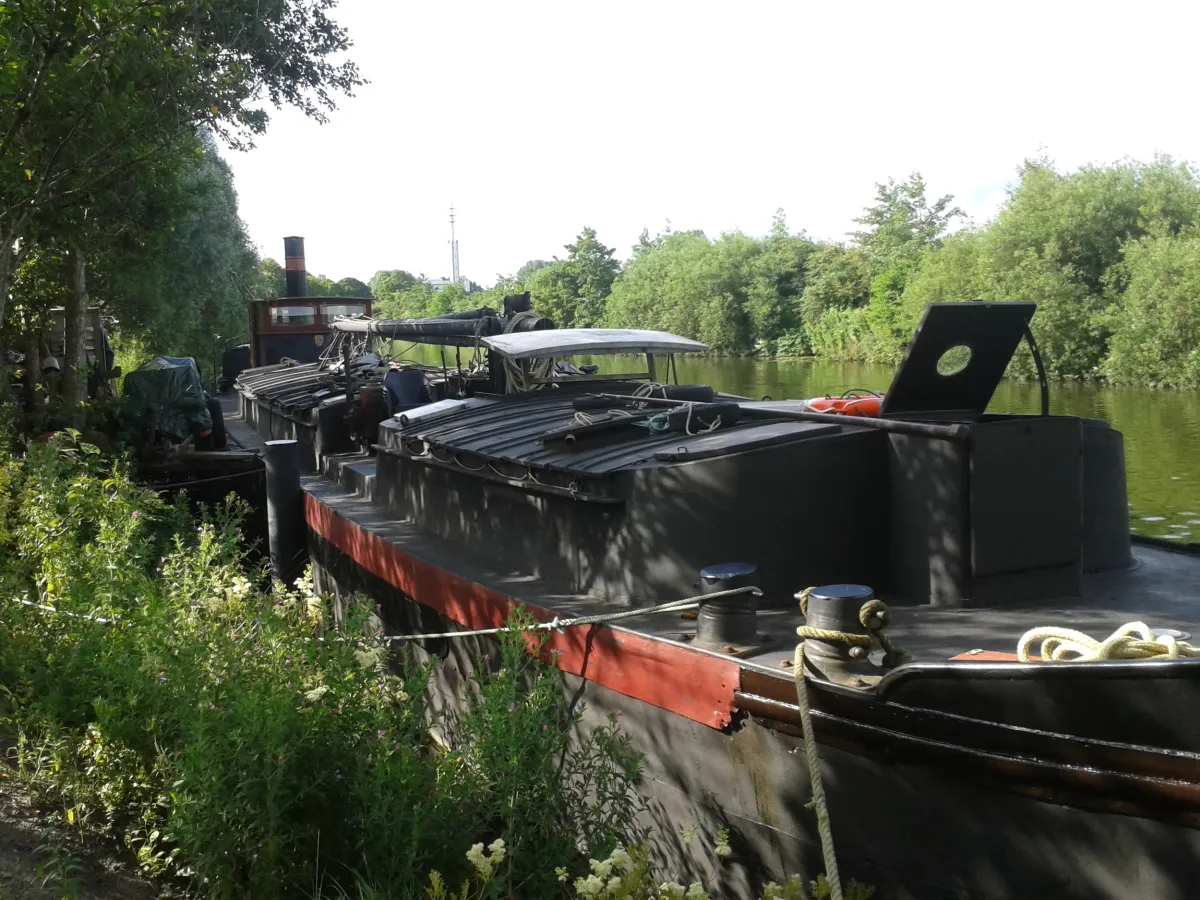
555,294
528,270
271,279
901,223
412,303
693,287
835,278
391,281
574,291
593,271
320,286
1156,320
351,287
773,295
96,89
179,278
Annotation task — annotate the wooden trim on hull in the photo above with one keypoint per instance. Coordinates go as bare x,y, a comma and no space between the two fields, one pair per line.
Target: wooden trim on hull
1087,774
676,678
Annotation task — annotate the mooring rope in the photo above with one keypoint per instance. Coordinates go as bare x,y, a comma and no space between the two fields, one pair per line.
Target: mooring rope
873,616
824,829
557,624
62,612
1132,641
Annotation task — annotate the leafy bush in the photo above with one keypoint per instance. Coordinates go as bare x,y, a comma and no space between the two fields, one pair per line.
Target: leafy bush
155,686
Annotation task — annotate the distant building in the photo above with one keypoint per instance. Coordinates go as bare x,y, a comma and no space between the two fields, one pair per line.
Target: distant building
467,284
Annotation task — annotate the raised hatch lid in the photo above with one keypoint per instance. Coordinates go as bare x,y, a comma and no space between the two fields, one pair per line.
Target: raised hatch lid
990,331
588,342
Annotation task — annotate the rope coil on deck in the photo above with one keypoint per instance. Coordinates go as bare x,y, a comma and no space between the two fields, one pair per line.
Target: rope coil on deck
1134,640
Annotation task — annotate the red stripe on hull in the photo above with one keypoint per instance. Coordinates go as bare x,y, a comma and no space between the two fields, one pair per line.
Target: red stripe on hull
687,682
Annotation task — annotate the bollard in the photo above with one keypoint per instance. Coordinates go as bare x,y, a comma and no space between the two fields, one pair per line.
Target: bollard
836,607
285,510
727,620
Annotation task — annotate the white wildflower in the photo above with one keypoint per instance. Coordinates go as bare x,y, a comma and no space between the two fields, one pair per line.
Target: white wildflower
561,873
482,864
670,890
614,884
689,835
621,859
696,891
496,848
601,869
369,658
588,887
316,693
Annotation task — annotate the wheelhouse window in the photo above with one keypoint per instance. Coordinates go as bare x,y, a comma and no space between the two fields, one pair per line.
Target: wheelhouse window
293,315
329,310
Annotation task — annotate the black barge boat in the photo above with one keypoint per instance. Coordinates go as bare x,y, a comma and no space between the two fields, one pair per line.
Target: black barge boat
958,771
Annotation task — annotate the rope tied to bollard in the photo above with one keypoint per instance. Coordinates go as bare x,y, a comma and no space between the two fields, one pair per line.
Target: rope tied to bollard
873,616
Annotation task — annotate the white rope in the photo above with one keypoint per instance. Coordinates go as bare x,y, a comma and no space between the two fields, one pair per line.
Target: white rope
700,429
648,389
558,624
63,612
1132,641
538,368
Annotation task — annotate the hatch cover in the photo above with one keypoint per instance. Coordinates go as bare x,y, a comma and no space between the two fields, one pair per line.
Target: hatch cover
957,357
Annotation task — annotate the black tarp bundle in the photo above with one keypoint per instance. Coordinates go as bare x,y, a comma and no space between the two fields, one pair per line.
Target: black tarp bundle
168,389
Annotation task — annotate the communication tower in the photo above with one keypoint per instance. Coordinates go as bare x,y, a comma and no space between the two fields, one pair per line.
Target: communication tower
453,248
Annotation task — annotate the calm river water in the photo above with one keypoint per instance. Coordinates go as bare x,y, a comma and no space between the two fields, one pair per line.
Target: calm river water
1161,428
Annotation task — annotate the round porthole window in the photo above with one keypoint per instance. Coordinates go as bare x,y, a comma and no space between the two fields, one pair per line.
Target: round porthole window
954,360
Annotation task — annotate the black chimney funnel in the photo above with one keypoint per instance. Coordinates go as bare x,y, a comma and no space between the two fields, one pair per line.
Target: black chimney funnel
294,272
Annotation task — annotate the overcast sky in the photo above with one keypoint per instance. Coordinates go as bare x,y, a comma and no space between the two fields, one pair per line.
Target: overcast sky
535,119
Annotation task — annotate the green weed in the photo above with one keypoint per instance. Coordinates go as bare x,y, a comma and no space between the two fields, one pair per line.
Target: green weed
158,687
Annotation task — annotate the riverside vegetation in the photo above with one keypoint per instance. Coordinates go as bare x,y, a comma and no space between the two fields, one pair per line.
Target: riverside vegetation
113,193
156,687
1111,255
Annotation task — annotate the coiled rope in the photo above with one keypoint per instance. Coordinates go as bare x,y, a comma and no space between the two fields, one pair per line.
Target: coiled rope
1132,641
519,380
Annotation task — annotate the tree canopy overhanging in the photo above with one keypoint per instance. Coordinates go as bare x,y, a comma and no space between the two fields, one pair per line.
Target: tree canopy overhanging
107,159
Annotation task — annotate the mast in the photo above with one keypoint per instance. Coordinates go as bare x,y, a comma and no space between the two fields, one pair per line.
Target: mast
453,248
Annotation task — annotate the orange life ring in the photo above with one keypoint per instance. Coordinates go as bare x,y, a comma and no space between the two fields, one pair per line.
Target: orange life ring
865,407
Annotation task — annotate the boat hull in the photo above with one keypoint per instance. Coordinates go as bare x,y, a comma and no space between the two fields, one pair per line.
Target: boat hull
918,809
